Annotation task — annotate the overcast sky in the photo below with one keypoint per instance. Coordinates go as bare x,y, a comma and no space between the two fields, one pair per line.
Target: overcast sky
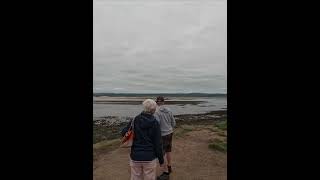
160,46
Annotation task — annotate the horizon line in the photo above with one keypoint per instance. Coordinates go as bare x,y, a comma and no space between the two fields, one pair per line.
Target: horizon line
154,93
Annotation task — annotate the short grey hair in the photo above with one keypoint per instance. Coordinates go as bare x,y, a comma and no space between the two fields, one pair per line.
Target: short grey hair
149,105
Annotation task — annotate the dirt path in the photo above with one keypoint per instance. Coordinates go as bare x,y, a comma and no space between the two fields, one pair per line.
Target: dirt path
192,160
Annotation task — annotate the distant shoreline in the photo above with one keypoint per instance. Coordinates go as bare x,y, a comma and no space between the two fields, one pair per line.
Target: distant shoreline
160,94
138,102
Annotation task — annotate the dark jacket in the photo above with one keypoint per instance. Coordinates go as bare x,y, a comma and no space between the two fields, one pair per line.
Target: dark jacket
146,143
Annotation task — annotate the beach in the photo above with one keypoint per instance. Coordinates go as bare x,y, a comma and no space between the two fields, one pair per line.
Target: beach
199,148
199,142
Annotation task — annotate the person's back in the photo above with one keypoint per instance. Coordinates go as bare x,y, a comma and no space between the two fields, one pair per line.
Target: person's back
166,120
146,146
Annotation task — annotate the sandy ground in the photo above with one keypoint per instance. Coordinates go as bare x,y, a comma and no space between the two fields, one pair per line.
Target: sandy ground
191,160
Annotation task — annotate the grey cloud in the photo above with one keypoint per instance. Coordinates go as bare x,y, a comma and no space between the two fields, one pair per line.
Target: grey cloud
148,46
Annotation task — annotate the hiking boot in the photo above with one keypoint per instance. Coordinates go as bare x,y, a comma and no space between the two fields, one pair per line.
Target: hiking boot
163,176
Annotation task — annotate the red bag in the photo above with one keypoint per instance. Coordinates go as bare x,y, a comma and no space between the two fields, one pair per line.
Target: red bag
127,139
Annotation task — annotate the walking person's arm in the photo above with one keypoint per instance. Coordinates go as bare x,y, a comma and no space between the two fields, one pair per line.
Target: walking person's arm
173,121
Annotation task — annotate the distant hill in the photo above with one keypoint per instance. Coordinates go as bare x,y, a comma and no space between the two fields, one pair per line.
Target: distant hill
160,94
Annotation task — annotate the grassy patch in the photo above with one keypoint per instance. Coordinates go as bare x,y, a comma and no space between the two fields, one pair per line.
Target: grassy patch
211,128
182,130
105,146
218,145
221,125
222,133
187,127
102,133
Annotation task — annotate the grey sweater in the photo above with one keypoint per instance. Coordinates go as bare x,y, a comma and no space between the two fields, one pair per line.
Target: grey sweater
166,120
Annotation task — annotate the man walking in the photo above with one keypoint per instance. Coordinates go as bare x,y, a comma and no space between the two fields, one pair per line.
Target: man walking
167,122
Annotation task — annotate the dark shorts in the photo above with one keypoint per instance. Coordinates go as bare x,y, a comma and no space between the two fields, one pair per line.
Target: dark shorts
167,143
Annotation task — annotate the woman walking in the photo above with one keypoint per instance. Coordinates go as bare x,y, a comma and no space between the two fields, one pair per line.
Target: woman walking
146,146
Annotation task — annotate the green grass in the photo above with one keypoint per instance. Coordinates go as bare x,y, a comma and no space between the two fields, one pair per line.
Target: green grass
105,146
101,133
211,128
182,130
218,145
188,127
221,133
221,125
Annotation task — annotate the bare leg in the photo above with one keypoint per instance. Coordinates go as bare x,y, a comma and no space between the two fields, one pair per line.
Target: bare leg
168,154
165,164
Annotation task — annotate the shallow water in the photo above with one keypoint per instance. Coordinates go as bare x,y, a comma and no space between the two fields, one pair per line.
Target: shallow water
129,110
